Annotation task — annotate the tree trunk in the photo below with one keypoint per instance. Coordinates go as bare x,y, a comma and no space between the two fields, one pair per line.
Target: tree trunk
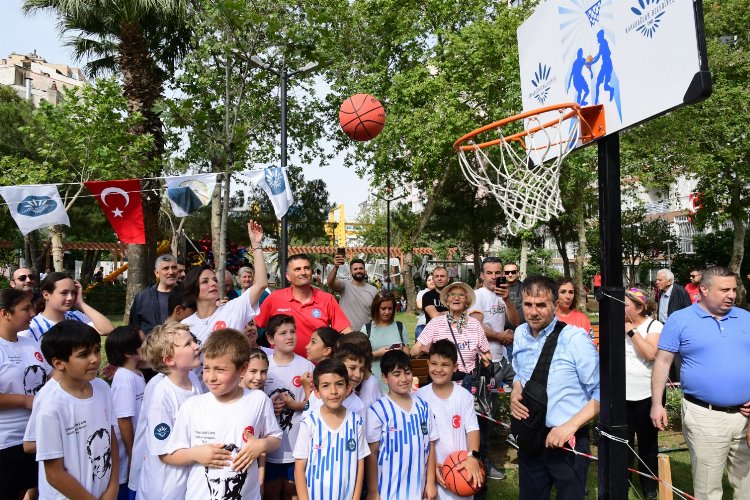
34,252
57,249
408,260
557,235
90,258
738,253
580,257
477,263
524,259
216,220
221,258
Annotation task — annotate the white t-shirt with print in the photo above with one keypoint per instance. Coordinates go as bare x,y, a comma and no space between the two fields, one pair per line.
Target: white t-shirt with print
151,478
332,454
454,418
22,371
127,397
493,308
30,434
80,432
404,438
637,369
40,324
234,314
286,379
203,420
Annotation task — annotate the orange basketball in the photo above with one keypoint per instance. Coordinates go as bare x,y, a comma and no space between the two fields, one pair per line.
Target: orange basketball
458,481
362,117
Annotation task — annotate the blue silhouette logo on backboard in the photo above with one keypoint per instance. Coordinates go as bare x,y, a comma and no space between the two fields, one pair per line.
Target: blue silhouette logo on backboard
36,206
578,77
542,83
649,14
275,180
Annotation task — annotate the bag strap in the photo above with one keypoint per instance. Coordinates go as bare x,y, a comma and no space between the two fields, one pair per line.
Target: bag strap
368,327
457,349
649,326
400,327
541,370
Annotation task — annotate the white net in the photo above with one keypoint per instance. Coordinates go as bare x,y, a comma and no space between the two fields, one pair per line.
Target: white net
522,173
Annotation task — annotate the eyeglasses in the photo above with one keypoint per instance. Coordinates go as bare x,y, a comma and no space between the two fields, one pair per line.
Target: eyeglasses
695,275
24,277
511,272
455,295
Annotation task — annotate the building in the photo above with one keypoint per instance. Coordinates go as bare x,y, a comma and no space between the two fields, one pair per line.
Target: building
34,79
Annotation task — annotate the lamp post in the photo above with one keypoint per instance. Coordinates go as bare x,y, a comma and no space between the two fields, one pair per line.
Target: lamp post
387,278
284,77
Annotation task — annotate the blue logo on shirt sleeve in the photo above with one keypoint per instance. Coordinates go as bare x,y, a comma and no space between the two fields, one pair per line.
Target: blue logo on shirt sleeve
162,431
351,445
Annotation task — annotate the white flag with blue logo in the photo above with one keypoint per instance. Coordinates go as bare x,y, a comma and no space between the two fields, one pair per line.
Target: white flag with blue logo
188,193
35,207
274,182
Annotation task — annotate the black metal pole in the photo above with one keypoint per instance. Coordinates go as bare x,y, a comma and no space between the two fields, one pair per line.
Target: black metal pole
388,243
613,456
284,235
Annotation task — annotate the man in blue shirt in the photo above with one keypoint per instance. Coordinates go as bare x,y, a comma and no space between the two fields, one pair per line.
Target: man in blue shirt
713,339
572,395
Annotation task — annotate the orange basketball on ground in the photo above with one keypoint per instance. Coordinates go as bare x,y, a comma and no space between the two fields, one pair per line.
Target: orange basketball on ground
362,117
458,481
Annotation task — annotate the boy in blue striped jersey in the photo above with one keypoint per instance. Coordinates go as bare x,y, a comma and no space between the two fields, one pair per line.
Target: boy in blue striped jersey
331,447
401,435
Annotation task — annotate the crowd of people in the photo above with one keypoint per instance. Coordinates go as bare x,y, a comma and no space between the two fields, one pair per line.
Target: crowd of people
295,394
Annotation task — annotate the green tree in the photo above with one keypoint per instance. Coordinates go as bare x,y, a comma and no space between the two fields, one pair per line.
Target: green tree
642,239
141,40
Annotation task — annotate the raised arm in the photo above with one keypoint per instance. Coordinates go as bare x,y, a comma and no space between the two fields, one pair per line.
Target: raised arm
331,280
255,232
101,323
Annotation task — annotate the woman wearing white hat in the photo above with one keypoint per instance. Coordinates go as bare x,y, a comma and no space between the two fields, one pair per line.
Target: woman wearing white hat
458,327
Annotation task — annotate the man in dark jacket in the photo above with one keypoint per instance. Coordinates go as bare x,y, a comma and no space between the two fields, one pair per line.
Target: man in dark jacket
670,296
150,307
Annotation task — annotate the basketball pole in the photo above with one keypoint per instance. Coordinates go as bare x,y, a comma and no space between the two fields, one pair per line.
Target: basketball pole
613,455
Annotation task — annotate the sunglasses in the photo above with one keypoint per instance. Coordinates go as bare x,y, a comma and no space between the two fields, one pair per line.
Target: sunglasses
24,277
694,275
511,272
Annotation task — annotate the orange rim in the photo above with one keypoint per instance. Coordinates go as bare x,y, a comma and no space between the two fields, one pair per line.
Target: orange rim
595,125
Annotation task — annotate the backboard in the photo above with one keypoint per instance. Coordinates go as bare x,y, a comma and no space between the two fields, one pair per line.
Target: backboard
639,58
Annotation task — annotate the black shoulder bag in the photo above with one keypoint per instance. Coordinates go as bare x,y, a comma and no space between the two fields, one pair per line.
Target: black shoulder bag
531,432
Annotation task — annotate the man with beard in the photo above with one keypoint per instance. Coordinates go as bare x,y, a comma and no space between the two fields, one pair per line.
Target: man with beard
356,295
22,279
151,306
431,304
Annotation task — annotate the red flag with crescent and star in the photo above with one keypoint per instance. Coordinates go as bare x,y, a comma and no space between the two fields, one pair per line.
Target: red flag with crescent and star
121,202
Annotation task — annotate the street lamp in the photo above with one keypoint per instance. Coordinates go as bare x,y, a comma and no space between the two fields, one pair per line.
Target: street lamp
284,76
387,279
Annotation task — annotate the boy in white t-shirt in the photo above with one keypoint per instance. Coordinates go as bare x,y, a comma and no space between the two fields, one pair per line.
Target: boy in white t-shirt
284,387
171,351
123,348
75,433
220,435
401,435
331,445
452,407
369,389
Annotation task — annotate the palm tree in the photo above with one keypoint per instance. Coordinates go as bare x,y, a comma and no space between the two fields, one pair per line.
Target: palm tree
142,40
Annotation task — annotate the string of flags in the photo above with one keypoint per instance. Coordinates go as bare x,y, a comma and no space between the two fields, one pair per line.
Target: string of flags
40,206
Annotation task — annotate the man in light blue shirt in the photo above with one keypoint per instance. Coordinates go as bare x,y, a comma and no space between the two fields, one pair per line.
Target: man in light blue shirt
713,338
572,395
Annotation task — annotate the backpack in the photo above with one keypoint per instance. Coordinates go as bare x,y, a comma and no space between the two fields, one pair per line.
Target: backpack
399,325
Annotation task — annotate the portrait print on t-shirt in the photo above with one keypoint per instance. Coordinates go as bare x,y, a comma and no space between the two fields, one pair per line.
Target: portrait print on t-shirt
285,417
99,451
225,483
34,378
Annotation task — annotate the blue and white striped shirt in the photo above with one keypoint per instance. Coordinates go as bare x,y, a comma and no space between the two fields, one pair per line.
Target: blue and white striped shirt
332,455
40,324
404,439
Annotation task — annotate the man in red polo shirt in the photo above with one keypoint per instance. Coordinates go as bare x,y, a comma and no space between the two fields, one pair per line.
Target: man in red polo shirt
310,307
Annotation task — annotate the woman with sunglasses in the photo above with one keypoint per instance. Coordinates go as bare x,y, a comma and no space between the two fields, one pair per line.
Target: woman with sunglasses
641,344
63,299
384,332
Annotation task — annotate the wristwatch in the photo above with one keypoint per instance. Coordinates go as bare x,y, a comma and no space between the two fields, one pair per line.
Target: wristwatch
631,332
475,454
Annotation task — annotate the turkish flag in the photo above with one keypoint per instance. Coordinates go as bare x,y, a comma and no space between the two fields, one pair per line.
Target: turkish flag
121,202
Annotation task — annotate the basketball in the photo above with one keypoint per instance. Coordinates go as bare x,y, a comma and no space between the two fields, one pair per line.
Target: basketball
457,481
362,117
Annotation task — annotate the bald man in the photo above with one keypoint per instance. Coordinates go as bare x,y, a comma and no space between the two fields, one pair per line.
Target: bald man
23,280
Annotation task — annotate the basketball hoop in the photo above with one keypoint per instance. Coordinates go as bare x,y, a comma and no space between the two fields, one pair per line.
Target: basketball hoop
521,167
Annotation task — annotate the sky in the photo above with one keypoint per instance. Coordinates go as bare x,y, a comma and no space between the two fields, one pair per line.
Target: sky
24,34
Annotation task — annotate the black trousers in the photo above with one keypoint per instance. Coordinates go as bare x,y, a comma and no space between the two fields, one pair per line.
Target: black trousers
538,472
639,424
